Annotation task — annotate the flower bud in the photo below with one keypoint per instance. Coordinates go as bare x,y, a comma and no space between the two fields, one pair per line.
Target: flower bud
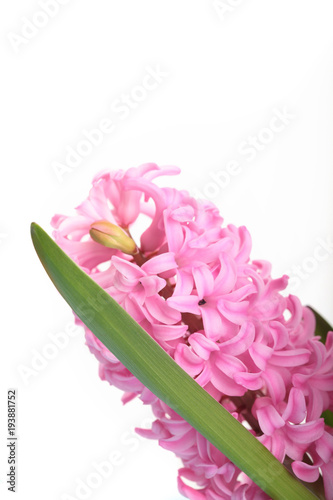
112,236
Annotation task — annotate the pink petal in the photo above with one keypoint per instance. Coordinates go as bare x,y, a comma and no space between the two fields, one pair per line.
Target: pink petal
204,281
86,253
169,332
240,293
58,219
277,285
305,472
205,239
211,251
324,447
227,276
277,447
152,284
225,384
256,279
161,310
157,431
190,492
241,342
204,377
184,284
183,214
212,322
153,237
133,309
251,381
179,444
245,244
315,405
147,397
202,445
131,271
305,433
296,408
236,312
160,263
188,360
127,397
275,385
152,170
327,470
292,357
264,267
229,364
260,354
296,309
122,381
323,382
202,345
185,303
279,333
174,232
177,427
269,419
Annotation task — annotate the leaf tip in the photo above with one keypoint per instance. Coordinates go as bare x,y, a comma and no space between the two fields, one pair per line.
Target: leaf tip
33,227
35,232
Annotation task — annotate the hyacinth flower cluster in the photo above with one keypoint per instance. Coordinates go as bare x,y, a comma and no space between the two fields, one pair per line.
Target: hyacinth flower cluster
191,285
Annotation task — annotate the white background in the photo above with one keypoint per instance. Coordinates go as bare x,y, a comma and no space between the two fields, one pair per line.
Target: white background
224,74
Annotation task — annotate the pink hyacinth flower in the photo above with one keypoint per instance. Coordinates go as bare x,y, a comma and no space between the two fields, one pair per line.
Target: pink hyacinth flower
190,283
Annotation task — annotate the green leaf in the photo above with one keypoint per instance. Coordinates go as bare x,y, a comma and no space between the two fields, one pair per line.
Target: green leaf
327,415
322,326
157,371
